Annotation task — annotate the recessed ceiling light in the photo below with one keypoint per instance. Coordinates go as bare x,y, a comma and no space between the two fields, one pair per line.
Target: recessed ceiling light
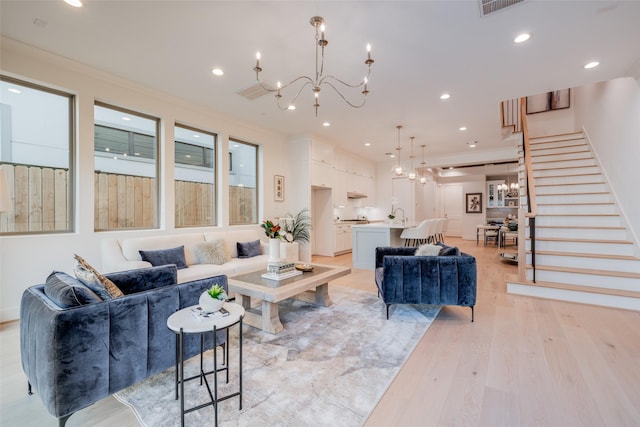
217,71
367,144
522,38
74,3
450,167
592,64
126,118
472,144
291,107
445,96
326,124
392,156
463,128
14,90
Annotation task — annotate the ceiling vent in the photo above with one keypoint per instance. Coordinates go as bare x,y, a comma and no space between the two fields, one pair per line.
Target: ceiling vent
490,6
253,92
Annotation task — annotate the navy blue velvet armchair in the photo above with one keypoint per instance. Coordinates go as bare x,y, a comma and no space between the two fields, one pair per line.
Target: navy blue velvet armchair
403,278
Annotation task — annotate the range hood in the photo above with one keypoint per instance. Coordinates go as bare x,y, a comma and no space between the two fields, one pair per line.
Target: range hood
355,195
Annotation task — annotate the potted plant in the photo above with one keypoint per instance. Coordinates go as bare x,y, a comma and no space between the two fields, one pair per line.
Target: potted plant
272,230
297,228
213,299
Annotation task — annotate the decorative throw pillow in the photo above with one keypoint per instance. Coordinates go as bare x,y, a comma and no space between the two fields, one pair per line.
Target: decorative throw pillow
211,252
68,292
428,250
249,249
449,251
95,281
165,256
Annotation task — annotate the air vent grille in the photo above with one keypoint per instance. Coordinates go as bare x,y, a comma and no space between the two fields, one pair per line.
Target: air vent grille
490,6
253,92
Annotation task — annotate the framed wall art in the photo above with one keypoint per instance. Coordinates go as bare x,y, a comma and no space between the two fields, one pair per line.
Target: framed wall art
278,188
556,100
474,203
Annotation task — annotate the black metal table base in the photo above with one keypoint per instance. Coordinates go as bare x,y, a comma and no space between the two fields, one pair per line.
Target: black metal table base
213,394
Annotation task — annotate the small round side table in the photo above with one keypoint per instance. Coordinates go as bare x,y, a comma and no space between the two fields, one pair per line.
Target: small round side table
184,322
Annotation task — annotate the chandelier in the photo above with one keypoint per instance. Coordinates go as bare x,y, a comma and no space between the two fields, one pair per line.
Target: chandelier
320,79
397,169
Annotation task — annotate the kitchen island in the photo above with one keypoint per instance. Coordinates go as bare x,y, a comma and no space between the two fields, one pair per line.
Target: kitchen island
367,237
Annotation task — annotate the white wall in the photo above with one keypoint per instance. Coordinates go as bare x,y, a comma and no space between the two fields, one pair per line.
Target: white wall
610,114
553,122
27,260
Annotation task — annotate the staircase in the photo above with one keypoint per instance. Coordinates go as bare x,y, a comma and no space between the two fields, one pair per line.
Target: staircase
583,250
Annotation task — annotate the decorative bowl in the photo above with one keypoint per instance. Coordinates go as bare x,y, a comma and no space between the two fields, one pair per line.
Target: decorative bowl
208,304
304,267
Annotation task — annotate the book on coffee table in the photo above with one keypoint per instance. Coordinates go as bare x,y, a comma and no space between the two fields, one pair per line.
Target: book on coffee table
280,276
198,313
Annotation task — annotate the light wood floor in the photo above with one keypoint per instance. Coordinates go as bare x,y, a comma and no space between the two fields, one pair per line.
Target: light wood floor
523,362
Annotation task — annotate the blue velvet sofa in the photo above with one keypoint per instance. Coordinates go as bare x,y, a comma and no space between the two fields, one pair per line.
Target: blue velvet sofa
403,278
77,355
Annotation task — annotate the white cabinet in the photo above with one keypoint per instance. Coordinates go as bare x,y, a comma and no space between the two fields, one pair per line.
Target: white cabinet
342,241
322,152
495,197
322,174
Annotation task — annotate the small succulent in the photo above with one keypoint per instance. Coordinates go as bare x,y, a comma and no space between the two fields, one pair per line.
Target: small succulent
217,292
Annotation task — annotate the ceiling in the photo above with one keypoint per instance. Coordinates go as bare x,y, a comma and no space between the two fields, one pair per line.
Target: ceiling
421,50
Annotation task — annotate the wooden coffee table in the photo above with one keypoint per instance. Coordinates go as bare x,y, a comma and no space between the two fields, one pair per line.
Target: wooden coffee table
312,287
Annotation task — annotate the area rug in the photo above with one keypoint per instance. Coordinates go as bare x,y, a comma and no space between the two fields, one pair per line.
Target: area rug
328,367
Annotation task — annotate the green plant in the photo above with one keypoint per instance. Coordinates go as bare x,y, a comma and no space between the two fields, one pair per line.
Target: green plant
298,227
271,229
217,292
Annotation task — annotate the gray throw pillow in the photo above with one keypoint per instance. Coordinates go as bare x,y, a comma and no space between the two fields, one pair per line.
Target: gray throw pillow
165,256
428,250
66,291
211,252
249,249
449,251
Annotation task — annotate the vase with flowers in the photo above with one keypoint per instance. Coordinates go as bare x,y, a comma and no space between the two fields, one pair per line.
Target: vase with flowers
272,230
213,298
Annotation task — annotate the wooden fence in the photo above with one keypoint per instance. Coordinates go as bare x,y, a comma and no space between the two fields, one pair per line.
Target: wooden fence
40,202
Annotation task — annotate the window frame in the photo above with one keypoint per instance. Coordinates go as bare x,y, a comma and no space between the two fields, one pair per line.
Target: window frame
213,168
257,182
158,161
71,166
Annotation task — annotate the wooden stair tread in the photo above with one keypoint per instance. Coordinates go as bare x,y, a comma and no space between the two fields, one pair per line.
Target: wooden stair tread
582,227
565,239
577,214
575,204
562,167
573,194
590,289
584,255
589,271
566,176
559,135
564,184
534,155
534,162
581,144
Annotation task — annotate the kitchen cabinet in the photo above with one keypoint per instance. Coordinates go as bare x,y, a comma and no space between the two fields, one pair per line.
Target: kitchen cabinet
322,152
342,241
322,174
495,198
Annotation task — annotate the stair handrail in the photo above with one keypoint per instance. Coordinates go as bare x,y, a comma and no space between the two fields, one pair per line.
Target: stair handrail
532,208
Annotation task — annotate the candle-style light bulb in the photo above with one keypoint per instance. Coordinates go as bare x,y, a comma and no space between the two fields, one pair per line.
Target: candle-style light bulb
279,85
258,56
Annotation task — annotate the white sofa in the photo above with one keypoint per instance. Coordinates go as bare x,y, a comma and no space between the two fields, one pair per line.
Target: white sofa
122,254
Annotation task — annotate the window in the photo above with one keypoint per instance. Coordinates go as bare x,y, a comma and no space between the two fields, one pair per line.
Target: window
126,169
243,183
195,177
36,157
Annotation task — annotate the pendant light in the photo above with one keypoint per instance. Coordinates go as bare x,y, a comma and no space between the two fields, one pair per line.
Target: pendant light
423,173
397,169
412,171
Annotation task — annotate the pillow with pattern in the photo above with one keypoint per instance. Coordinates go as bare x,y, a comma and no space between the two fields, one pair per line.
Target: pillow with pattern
211,252
95,281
